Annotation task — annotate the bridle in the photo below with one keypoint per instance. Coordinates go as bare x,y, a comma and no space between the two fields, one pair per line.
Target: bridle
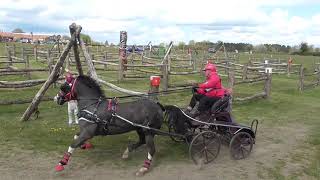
72,94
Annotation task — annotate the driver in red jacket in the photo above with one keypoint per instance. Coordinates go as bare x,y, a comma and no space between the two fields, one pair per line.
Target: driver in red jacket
207,93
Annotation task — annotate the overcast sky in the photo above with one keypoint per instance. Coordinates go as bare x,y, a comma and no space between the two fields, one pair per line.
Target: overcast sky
253,21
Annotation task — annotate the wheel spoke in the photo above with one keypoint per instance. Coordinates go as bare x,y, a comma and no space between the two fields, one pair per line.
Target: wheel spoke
246,151
241,149
213,141
214,155
206,154
200,152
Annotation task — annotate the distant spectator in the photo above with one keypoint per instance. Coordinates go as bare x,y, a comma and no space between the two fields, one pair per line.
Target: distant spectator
72,104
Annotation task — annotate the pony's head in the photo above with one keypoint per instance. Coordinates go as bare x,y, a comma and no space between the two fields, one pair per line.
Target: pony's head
67,92
82,87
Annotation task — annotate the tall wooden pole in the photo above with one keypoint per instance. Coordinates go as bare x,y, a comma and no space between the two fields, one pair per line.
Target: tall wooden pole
91,69
122,54
75,34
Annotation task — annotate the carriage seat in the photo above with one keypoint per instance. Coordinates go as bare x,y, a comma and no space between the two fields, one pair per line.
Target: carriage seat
222,105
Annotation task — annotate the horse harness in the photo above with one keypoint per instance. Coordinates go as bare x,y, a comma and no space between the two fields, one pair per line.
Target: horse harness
92,117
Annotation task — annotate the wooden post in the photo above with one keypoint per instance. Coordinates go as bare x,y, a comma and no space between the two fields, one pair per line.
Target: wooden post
226,67
75,34
52,78
142,57
105,59
267,85
231,78
301,79
49,59
245,72
9,55
318,80
230,85
22,52
89,49
68,61
122,54
35,52
92,58
27,66
169,62
194,67
14,50
165,75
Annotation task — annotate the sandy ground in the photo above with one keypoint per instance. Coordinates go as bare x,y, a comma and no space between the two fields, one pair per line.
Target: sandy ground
273,145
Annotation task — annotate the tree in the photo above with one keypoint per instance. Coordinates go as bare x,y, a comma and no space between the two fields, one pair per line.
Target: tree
304,48
260,48
66,37
192,43
181,45
86,38
18,30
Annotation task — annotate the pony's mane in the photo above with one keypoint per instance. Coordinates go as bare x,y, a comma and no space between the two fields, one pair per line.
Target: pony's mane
91,83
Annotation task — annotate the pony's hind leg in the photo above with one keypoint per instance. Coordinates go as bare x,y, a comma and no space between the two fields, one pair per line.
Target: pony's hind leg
132,147
151,151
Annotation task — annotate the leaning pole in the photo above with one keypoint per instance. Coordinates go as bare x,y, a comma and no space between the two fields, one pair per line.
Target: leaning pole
54,75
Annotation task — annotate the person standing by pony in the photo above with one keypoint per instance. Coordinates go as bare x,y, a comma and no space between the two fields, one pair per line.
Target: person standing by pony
206,93
72,104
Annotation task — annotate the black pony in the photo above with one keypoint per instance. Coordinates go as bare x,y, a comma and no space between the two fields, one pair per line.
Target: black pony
99,115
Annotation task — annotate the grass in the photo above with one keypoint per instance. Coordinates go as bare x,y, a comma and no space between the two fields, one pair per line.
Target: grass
49,134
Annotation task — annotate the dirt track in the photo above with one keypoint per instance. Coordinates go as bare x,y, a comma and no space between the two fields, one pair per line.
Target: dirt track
273,145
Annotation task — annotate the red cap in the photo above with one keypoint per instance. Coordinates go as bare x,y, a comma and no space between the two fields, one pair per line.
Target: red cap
210,67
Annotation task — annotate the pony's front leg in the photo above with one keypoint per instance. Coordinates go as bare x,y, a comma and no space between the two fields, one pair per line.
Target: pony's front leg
151,151
86,145
81,139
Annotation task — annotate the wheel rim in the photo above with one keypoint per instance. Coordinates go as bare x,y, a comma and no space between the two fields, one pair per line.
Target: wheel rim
241,145
205,147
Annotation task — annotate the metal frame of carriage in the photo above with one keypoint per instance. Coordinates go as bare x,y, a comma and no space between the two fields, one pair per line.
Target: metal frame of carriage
218,127
206,137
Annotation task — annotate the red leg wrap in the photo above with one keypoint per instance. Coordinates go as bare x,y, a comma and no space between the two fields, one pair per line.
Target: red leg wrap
65,159
147,163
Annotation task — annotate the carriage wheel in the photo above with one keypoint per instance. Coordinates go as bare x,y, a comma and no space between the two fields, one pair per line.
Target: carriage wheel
175,138
241,145
205,147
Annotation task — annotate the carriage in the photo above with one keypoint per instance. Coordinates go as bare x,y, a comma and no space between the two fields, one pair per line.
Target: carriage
206,133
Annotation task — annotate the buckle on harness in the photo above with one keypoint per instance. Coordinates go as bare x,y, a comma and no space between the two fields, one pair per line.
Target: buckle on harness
112,104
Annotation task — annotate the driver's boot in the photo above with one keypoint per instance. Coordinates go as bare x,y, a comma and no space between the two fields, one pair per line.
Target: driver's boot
194,113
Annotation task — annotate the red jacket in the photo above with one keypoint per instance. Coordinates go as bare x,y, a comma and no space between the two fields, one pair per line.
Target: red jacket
212,87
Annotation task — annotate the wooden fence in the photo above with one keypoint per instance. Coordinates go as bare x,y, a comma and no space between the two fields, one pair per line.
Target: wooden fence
308,80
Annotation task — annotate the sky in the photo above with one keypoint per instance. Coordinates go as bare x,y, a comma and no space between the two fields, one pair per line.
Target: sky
287,22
